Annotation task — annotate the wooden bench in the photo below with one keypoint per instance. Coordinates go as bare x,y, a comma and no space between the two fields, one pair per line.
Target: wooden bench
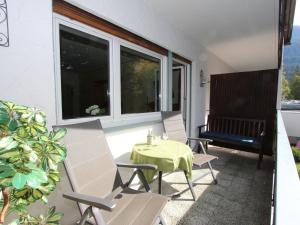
237,131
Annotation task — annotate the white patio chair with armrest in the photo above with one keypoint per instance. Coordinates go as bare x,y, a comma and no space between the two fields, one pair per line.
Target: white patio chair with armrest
97,186
174,127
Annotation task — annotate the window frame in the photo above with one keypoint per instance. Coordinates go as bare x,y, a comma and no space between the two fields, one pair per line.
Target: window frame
60,20
148,52
115,118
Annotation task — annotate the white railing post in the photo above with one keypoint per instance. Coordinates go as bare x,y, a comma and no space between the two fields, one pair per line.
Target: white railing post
287,184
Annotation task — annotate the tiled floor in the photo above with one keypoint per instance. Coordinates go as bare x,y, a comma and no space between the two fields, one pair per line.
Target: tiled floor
241,197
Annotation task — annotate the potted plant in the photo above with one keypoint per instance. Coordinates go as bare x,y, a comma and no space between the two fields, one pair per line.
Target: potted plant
29,159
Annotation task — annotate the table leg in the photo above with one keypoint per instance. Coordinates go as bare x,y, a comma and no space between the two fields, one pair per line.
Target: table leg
159,181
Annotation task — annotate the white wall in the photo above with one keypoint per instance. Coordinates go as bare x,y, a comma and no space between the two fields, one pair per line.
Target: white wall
26,72
291,121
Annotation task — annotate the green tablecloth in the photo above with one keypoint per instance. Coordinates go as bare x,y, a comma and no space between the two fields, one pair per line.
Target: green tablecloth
166,154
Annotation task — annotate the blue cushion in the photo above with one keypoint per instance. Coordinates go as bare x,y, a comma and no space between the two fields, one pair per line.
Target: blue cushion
243,140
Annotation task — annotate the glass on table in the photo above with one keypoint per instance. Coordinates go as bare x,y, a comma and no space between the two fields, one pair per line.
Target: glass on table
164,136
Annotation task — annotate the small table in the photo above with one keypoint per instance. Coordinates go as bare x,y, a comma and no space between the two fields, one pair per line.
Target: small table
167,155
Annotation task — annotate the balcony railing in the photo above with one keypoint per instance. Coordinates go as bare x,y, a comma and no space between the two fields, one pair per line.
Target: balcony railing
286,183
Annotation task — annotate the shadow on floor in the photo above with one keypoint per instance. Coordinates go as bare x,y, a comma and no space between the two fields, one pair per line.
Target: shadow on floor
241,197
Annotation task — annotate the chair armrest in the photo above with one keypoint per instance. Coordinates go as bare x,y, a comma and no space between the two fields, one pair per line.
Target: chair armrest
138,166
199,139
139,172
100,203
201,126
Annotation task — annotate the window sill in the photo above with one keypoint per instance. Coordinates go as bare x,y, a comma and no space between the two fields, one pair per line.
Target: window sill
123,121
132,119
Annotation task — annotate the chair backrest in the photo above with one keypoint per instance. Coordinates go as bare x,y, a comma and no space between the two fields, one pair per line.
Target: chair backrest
236,126
89,162
174,126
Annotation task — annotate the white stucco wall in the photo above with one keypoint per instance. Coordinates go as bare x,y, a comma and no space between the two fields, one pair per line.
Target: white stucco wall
291,121
27,64
27,67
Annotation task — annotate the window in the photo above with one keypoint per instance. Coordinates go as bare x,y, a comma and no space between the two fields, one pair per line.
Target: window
140,82
99,75
84,65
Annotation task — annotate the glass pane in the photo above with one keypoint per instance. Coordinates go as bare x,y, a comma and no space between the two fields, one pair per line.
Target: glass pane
140,82
176,90
84,74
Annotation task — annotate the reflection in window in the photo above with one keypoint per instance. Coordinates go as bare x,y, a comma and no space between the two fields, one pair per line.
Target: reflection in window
140,82
84,74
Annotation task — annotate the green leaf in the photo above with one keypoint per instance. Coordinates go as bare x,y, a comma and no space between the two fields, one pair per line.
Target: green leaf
12,125
37,194
27,148
33,157
33,131
39,118
21,131
4,116
41,129
44,199
54,176
8,105
31,166
39,175
5,141
59,134
55,218
52,165
32,182
45,164
6,171
56,157
19,180
21,193
44,138
36,177
51,211
10,154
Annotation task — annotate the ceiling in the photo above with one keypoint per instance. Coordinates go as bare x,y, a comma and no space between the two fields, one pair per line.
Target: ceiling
243,33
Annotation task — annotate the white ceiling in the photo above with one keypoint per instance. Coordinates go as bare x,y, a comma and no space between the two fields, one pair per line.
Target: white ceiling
243,33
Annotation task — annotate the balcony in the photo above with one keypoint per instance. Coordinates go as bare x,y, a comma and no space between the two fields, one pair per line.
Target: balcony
235,43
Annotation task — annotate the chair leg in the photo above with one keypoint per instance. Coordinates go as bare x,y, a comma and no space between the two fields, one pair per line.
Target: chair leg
212,173
159,181
260,158
85,215
190,185
162,221
143,180
97,216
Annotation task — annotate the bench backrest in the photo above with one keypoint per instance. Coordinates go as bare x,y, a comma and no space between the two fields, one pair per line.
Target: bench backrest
236,126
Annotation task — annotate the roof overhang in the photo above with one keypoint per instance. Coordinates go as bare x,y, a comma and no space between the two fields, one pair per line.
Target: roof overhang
286,19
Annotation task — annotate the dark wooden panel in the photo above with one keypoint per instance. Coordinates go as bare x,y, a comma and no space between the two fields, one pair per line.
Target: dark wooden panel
250,95
63,8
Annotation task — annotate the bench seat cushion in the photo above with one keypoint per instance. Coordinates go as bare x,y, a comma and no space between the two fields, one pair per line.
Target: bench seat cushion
229,138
